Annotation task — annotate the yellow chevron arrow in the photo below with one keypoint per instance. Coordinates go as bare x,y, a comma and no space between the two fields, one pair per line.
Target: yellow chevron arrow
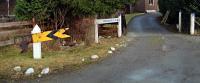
60,34
40,37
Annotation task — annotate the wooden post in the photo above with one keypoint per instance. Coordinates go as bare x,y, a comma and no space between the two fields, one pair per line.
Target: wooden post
36,46
33,22
180,21
192,24
8,2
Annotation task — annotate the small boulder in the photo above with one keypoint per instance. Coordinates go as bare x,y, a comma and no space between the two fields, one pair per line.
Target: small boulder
45,71
101,37
29,71
109,37
17,68
125,45
39,76
82,59
110,52
117,45
94,57
112,48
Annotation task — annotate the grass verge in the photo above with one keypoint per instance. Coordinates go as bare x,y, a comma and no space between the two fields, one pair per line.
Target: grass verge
69,59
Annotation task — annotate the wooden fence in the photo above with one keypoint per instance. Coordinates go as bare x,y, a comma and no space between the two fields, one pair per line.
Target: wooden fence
9,25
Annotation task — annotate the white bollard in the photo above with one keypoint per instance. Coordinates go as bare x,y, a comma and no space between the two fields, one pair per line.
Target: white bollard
96,32
120,26
192,24
180,20
36,46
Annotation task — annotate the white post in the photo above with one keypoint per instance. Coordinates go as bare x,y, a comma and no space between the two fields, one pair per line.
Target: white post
36,46
120,26
180,20
192,24
96,32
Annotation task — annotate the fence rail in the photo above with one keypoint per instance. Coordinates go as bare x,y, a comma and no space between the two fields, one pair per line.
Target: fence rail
13,24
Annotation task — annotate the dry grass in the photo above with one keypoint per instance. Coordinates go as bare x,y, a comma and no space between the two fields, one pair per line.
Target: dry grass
68,59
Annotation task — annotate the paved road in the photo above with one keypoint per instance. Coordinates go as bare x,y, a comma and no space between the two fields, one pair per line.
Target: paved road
155,56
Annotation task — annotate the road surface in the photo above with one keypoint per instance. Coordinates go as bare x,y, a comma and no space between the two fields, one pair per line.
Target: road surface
155,56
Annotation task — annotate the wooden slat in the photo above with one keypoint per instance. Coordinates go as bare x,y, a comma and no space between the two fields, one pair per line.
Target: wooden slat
8,42
13,24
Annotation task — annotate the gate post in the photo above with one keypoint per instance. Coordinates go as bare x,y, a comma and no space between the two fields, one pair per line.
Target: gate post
192,23
120,26
96,32
180,21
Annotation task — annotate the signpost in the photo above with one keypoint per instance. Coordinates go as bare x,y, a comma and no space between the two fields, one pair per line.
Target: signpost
106,21
36,46
38,37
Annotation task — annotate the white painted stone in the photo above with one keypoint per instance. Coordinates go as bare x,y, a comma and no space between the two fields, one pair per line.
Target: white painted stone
129,40
109,36
101,37
94,57
45,71
39,75
112,48
110,52
123,45
164,48
117,45
17,68
29,71
82,59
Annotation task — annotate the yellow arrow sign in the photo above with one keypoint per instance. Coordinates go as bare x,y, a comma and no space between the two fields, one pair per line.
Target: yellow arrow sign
60,33
49,35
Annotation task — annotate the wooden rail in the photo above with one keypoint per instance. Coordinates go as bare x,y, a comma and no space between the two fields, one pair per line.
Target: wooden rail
16,40
14,24
8,42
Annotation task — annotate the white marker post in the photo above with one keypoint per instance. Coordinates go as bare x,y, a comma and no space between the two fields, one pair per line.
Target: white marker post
180,20
96,32
120,26
36,46
192,24
106,21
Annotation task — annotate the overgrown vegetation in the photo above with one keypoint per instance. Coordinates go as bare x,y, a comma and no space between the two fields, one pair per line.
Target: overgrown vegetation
174,6
60,11
185,6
